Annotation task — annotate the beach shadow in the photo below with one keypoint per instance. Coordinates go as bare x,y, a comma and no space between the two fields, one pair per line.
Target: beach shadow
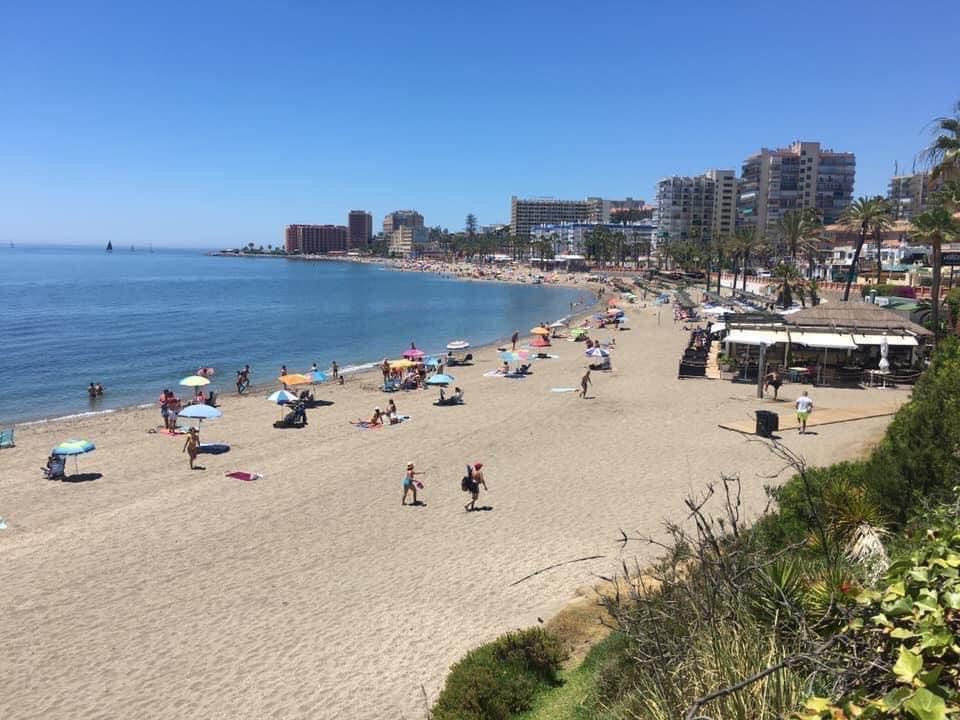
481,508
198,467
82,477
440,404
418,503
319,403
288,427
811,432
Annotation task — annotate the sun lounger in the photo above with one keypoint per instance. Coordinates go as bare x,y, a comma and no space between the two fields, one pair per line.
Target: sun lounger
6,439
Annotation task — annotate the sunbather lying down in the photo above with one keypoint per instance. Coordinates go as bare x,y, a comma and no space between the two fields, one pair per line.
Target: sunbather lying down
455,399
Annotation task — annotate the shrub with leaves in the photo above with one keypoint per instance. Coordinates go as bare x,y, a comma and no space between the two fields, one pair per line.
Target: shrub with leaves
501,678
912,629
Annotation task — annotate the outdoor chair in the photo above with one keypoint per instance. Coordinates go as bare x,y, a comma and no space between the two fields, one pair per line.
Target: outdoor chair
6,439
56,468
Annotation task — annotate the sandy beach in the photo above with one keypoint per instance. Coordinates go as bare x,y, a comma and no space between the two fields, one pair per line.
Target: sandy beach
154,591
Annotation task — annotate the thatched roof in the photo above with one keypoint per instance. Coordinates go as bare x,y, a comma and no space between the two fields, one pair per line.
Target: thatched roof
854,316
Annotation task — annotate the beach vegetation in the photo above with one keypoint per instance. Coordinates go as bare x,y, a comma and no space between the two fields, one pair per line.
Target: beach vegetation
499,680
864,216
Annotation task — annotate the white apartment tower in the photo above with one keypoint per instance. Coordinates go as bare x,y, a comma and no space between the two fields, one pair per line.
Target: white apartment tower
525,213
699,208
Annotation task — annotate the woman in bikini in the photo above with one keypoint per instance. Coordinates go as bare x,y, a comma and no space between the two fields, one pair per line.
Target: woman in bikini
192,446
410,484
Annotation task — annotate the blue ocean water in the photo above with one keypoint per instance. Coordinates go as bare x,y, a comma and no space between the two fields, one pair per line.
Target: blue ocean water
138,321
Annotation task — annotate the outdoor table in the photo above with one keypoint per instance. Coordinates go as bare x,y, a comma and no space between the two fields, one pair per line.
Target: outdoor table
872,376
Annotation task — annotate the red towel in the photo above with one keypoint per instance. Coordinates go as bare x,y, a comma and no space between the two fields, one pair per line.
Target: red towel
241,475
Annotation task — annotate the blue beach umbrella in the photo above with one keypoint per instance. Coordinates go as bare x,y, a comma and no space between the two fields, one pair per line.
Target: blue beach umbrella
597,352
432,361
281,396
75,448
200,412
317,376
440,379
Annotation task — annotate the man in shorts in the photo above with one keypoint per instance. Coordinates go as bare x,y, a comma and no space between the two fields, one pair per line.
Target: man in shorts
804,408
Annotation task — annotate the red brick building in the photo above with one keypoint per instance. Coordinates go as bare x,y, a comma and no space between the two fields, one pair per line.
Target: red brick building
315,239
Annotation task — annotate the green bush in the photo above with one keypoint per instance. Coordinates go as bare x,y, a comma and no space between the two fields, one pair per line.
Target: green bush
501,678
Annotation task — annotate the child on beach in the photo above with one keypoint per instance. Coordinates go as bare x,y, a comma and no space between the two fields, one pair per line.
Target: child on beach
410,483
584,382
192,447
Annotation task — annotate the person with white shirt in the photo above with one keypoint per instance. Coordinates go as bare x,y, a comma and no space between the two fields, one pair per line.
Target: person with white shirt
804,408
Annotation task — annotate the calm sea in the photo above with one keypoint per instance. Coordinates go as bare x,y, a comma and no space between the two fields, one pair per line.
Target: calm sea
138,321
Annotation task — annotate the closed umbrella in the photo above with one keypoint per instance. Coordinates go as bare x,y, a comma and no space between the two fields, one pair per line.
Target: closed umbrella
74,448
440,379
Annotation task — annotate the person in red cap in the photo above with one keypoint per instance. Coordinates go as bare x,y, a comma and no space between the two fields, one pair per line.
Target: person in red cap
476,480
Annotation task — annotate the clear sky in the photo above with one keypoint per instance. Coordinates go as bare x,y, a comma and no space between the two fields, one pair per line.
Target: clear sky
214,124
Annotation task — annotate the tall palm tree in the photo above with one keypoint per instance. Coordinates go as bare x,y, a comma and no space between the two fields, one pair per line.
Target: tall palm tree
943,153
792,228
749,241
731,245
935,227
787,276
863,215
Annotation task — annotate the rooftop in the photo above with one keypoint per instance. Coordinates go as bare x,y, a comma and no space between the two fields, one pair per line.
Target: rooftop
854,316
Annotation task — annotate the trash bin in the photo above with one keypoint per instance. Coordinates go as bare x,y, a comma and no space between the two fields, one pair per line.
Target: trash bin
767,423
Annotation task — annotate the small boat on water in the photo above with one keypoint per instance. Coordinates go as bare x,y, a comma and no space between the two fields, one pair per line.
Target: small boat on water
109,246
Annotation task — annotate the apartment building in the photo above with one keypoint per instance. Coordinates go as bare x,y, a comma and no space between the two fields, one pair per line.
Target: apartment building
570,239
401,218
360,226
908,194
803,175
698,208
315,239
525,213
407,241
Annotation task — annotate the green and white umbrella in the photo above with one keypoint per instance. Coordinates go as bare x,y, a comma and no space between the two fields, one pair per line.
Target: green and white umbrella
74,448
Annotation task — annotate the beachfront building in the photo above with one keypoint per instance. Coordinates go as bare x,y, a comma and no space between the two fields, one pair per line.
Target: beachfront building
571,239
525,213
360,227
612,209
407,241
699,208
315,239
908,194
401,218
803,175
830,344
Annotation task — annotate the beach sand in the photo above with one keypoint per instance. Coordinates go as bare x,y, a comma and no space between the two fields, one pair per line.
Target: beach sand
154,591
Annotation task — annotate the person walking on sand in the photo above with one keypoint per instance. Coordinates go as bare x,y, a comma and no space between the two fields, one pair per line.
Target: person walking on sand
584,382
772,379
513,340
410,483
476,479
192,447
335,370
804,408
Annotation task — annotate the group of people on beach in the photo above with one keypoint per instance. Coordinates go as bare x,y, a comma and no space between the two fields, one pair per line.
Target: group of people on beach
471,483
95,390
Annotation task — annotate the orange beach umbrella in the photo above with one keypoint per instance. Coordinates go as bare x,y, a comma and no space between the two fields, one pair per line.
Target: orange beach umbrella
539,331
295,379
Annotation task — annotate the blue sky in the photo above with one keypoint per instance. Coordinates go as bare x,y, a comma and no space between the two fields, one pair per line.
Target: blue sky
212,124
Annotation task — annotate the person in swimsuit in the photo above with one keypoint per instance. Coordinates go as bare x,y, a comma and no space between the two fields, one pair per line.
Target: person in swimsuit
584,383
376,418
410,484
476,480
192,447
513,340
92,391
392,415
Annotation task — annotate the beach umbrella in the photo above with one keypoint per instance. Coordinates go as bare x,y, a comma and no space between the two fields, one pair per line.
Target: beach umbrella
440,379
200,412
558,324
413,354
431,361
280,397
539,331
195,381
540,342
597,352
295,379
402,364
74,448
614,312
318,376
458,345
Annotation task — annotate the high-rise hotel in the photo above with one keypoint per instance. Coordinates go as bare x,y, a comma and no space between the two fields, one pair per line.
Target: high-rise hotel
804,175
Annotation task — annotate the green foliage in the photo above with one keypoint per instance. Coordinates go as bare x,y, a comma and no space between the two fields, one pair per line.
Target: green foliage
912,624
501,678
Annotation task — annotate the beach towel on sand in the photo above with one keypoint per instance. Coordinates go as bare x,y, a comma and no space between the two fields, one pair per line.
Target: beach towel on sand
365,425
563,390
243,475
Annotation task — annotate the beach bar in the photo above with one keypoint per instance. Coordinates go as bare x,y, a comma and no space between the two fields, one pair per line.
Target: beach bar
830,344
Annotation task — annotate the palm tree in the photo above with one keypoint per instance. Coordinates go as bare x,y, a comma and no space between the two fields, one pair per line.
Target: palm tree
943,154
792,228
748,242
935,227
863,215
787,277
731,244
